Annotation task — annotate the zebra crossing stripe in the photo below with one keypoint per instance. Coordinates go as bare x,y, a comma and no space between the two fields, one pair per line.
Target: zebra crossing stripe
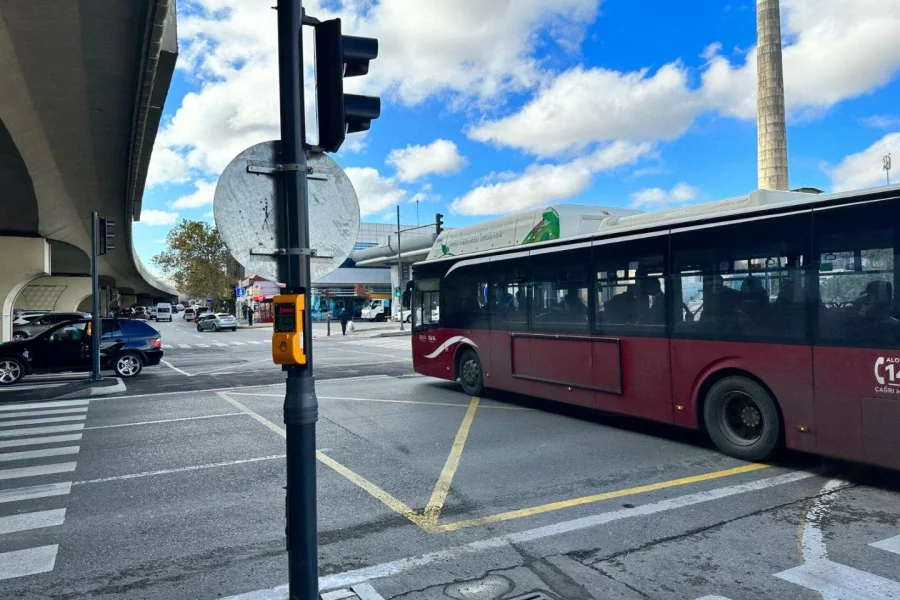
32,520
203,345
35,491
184,345
42,420
61,403
40,413
28,454
50,439
37,471
28,562
167,346
39,430
237,343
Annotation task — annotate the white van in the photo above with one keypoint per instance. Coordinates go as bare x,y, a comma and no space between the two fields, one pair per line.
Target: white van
163,312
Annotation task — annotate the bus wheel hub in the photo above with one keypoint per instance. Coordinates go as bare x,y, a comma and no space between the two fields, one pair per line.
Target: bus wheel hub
750,416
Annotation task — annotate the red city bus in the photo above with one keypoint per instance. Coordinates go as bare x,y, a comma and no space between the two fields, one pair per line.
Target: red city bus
762,325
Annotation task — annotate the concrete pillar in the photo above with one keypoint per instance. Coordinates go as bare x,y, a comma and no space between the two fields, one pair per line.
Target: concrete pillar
771,130
127,300
25,259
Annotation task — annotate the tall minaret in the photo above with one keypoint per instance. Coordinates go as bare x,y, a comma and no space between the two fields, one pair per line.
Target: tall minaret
770,123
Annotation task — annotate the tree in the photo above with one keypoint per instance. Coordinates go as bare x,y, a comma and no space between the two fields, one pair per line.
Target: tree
199,263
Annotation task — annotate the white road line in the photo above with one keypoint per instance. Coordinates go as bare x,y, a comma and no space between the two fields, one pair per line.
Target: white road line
203,345
37,471
890,544
833,580
29,454
174,368
10,407
180,469
233,414
32,520
367,574
41,420
41,430
38,413
167,346
50,439
27,562
35,491
254,342
365,591
237,343
184,345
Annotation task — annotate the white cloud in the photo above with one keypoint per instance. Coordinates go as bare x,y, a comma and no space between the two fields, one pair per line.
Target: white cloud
658,198
201,196
375,192
865,169
881,121
209,215
413,162
711,50
833,51
583,106
167,166
542,184
158,217
469,49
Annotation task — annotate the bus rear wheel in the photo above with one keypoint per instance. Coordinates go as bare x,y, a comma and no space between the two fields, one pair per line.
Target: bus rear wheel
471,376
742,419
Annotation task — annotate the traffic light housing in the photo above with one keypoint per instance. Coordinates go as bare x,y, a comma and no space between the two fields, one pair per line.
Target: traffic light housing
106,240
438,223
339,56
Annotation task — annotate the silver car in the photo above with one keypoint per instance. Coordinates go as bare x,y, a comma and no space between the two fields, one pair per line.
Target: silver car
43,323
216,322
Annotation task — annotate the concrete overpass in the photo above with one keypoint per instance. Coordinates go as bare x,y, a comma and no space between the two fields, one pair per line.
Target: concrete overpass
82,88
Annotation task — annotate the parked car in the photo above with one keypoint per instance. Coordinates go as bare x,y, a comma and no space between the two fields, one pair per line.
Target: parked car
43,323
126,347
23,317
216,322
189,314
151,313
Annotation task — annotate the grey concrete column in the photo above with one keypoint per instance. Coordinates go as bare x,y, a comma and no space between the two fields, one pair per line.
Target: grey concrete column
26,259
772,154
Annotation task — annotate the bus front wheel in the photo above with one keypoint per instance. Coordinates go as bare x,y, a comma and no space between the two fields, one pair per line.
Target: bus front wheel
471,376
742,419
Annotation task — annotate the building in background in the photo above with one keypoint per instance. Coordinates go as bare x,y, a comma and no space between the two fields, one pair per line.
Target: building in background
348,286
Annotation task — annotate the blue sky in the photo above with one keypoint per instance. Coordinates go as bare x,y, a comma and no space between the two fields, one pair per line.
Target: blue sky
490,107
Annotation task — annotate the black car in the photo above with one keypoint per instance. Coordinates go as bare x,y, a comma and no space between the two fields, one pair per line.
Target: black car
127,346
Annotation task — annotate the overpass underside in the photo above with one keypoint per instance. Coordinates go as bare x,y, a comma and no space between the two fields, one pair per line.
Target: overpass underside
82,88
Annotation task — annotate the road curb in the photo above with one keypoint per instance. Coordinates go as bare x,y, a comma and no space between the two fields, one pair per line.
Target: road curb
72,391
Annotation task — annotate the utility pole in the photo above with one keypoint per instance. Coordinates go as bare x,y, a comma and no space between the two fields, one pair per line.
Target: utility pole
301,407
887,167
337,56
399,271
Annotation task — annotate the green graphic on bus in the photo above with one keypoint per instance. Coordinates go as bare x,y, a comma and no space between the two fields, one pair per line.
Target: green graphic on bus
547,229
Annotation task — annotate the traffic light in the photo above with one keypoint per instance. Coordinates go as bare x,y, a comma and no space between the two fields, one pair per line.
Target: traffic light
106,240
339,56
438,223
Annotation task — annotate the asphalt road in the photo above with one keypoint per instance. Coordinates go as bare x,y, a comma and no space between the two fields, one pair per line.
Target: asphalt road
176,491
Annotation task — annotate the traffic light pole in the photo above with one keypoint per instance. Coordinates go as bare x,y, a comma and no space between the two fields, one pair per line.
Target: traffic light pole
301,406
96,333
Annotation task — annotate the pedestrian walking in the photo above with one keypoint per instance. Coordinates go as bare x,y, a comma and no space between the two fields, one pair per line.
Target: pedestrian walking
250,316
344,317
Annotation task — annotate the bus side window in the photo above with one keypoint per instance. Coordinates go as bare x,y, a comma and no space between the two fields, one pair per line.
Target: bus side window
743,282
559,291
509,298
856,276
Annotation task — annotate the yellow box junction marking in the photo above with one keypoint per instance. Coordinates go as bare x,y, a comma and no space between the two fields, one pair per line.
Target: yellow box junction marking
427,519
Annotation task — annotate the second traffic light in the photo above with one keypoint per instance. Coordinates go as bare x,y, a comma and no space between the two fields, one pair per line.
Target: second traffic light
438,223
339,56
106,239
